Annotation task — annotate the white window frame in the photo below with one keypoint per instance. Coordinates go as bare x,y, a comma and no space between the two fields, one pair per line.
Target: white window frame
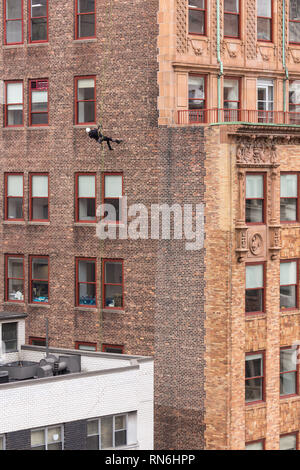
2,436
113,430
45,429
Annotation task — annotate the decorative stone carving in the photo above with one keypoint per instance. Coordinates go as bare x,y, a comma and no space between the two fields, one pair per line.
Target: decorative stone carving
292,55
251,29
198,47
256,153
256,244
181,26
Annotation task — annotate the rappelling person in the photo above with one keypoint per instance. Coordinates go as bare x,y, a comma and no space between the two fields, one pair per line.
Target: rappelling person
99,137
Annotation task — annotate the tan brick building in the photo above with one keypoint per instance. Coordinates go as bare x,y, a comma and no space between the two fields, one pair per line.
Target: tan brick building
204,95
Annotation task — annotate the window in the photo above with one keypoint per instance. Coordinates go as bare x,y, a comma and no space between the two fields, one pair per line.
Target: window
254,288
264,20
50,438
86,197
39,279
294,102
231,99
38,21
265,100
85,95
288,372
113,284
197,103
289,184
232,18
34,341
254,377
113,192
13,104
113,348
111,431
13,23
288,284
294,29
289,442
14,268
39,197
38,103
10,337
85,19
14,202
83,346
2,442
86,282
256,445
197,16
255,198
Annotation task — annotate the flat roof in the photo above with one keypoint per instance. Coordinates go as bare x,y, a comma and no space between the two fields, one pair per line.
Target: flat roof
5,315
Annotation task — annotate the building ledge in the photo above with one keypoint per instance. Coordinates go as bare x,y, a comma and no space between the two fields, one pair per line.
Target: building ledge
6,315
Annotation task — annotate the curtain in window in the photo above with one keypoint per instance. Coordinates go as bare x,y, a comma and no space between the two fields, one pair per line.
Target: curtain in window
288,273
15,185
86,186
254,186
39,186
254,277
113,186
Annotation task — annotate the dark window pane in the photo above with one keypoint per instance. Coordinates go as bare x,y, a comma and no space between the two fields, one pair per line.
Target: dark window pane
84,6
92,443
14,116
40,291
113,273
38,8
120,438
287,296
86,26
294,10
86,112
231,25
254,210
113,350
288,383
13,32
294,32
39,118
116,204
196,22
231,5
113,296
87,271
254,390
264,29
40,208
13,9
39,29
87,294
254,367
254,300
9,336
15,208
40,268
87,209
56,446
288,209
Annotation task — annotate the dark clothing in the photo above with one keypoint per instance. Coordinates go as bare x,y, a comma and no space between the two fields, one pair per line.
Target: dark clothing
99,137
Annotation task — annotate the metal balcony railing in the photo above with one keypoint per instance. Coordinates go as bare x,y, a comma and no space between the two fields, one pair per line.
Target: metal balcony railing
209,116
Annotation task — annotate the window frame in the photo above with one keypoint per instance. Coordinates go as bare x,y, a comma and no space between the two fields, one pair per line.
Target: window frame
29,24
266,18
285,348
30,103
205,10
238,110
77,219
31,198
263,441
283,173
77,14
293,113
36,338
113,430
120,198
85,77
77,296
9,322
263,264
289,22
31,258
263,377
112,346
6,175
7,256
291,260
264,208
295,433
7,82
46,429
104,284
15,19
239,21
85,343
2,436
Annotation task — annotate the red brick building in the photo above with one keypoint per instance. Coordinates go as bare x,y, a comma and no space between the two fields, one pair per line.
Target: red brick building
204,98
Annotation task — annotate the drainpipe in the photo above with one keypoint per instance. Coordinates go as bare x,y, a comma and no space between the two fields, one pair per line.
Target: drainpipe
283,56
220,74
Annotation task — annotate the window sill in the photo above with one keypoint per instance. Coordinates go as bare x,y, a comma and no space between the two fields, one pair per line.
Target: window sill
38,44
256,404
84,40
13,46
85,224
39,305
14,222
84,126
14,128
32,222
254,316
86,309
113,310
286,398
14,302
